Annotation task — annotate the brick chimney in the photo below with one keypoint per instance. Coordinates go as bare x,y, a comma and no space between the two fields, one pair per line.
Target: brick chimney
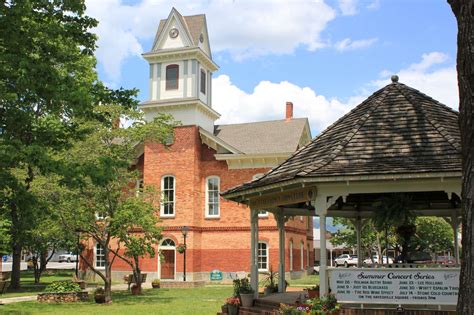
289,110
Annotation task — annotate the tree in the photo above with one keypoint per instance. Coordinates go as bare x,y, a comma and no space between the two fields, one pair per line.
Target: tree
464,12
100,199
371,239
433,235
47,78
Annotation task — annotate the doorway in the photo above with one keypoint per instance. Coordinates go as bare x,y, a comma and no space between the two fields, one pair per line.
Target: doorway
167,265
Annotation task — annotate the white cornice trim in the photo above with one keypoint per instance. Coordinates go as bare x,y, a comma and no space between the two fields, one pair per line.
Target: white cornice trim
180,53
164,104
343,179
214,142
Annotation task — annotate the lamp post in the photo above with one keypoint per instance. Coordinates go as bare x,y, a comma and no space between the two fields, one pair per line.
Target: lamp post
184,231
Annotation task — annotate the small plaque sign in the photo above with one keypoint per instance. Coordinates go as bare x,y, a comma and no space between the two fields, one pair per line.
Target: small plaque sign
216,275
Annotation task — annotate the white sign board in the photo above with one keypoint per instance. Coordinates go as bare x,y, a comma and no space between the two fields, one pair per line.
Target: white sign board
395,286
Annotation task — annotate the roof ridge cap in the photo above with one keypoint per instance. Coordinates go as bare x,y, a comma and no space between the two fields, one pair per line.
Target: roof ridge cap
433,122
348,137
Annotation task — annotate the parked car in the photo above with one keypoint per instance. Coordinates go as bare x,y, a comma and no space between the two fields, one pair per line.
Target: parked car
68,257
445,260
377,260
346,260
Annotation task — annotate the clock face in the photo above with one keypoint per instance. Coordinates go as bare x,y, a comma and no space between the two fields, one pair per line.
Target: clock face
174,32
201,38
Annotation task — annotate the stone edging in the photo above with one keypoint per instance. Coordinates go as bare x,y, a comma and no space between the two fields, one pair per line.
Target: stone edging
66,297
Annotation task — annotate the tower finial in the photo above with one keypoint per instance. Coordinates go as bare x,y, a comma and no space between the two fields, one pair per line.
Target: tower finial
394,78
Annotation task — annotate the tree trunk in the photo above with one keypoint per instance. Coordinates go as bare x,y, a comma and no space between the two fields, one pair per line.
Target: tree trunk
137,274
464,12
16,266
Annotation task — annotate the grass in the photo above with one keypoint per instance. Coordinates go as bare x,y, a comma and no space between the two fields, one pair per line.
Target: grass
305,281
206,300
28,286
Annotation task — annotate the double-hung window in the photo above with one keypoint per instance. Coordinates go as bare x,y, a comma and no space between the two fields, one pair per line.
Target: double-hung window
212,196
203,82
168,196
262,256
99,256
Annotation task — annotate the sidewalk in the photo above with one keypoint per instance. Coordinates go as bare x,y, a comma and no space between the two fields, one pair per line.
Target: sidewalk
115,287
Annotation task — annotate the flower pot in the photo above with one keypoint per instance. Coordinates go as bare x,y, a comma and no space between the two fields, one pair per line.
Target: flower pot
155,285
99,298
136,290
233,309
81,283
313,294
246,299
267,291
224,308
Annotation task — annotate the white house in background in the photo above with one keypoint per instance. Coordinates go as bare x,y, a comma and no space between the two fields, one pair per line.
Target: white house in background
332,251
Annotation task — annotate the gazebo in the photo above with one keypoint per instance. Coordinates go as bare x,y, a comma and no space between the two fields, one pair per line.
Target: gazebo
398,140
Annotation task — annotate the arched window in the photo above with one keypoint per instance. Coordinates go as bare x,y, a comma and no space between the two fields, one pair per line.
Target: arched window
302,255
99,256
172,77
168,243
262,256
212,196
291,255
168,196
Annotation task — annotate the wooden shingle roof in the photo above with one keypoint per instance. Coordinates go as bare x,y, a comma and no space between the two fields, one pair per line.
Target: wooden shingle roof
397,130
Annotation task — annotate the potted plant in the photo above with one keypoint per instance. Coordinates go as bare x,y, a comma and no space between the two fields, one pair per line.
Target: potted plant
313,291
156,284
246,293
326,305
99,295
270,282
181,248
80,282
231,306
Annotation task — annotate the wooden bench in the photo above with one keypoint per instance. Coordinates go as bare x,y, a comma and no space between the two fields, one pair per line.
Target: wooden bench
129,279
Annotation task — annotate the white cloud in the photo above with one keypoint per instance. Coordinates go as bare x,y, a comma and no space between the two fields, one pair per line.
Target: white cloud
349,44
348,7
435,75
241,28
374,5
267,102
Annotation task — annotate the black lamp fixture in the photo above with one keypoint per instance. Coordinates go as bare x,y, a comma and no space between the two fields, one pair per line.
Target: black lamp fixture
184,231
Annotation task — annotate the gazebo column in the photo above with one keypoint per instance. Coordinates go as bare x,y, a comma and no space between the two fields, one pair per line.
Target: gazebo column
323,285
455,226
281,237
254,250
358,225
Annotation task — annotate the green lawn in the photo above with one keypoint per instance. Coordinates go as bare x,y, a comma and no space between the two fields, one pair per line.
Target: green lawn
306,281
207,300
28,286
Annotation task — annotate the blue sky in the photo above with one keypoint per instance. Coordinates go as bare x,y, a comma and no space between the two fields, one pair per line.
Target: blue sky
325,56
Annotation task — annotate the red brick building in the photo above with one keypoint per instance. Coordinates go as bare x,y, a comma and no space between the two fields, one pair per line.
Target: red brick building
204,159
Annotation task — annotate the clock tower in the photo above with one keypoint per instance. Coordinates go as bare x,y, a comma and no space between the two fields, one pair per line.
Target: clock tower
181,68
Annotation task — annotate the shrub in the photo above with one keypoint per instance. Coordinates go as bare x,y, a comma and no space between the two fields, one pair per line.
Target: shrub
99,291
62,287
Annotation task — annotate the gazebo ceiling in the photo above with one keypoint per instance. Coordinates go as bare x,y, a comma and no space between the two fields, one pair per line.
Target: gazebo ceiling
397,131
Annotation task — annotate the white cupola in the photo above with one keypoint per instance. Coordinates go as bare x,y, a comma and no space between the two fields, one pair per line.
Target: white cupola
181,70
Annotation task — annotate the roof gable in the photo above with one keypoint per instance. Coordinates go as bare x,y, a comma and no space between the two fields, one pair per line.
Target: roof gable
164,41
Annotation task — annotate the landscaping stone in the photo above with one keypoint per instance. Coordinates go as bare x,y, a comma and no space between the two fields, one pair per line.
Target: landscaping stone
67,297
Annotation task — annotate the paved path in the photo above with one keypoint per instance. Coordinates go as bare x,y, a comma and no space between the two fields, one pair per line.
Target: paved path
115,287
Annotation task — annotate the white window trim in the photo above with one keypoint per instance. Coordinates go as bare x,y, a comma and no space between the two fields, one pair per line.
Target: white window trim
95,257
162,209
206,214
263,215
291,255
267,255
302,255
139,183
